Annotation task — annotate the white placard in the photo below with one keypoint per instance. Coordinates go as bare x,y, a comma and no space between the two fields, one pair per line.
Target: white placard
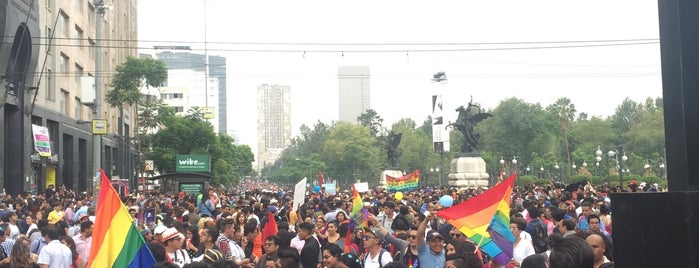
362,187
299,194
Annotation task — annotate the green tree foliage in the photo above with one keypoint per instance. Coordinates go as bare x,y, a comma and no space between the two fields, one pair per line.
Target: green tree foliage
371,120
565,111
350,153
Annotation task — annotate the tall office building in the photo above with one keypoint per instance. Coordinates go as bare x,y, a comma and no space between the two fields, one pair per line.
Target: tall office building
355,92
197,62
273,122
46,49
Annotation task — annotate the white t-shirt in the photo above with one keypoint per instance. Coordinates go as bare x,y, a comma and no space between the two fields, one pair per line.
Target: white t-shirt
374,262
14,231
56,255
179,257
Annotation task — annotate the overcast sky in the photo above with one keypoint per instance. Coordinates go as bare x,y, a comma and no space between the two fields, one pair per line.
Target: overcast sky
596,52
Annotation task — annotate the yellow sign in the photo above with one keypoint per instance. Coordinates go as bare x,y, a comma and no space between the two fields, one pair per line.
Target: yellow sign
99,126
50,176
209,112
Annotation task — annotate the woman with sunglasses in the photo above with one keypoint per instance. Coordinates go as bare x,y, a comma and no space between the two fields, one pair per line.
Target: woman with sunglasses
406,251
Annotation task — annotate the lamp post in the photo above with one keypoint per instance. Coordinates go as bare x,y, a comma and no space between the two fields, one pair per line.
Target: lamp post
560,171
514,162
647,169
541,172
573,171
528,170
502,164
661,168
610,154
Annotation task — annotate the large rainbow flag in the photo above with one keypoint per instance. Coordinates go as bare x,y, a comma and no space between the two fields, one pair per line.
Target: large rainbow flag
485,219
406,183
359,213
116,242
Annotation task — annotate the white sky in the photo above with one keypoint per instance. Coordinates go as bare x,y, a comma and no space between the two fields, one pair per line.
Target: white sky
596,79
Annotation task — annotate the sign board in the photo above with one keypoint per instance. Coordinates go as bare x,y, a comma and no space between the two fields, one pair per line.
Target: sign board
209,112
192,163
362,187
191,188
42,141
299,194
148,165
99,126
330,188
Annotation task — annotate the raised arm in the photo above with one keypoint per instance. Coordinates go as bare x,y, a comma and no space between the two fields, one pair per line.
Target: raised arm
420,239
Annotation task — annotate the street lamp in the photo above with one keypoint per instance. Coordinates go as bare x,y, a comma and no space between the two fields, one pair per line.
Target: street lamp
610,154
646,167
541,173
528,170
558,168
661,168
514,162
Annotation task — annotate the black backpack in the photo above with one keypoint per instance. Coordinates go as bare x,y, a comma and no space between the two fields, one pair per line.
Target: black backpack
539,237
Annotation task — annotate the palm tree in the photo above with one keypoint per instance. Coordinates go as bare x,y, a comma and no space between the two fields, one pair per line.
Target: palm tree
131,76
565,111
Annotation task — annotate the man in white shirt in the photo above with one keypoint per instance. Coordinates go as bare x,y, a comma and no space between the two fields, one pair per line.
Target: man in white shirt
54,254
172,239
376,256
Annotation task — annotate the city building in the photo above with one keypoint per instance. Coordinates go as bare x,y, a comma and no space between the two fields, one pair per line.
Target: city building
197,62
184,90
46,49
273,122
355,92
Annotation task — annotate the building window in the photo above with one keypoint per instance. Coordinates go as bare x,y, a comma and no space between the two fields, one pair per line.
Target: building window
78,4
63,102
78,73
78,109
78,37
50,90
92,48
178,96
48,37
63,23
63,65
179,109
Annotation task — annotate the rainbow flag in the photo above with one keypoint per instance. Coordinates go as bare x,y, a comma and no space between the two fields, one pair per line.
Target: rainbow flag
485,219
116,242
359,213
406,183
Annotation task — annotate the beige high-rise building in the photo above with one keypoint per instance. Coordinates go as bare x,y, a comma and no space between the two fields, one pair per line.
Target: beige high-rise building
55,50
355,92
273,122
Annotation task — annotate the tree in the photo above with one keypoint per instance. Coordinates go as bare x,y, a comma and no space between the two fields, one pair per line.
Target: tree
371,120
350,153
565,111
131,76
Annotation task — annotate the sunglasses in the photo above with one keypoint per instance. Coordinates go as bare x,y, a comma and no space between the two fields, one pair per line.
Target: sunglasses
455,235
412,237
367,237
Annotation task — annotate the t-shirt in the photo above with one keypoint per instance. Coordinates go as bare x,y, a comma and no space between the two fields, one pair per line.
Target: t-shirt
385,257
56,255
428,258
179,257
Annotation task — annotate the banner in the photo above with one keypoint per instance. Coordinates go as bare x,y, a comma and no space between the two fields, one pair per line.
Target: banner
407,183
362,187
42,141
330,188
299,194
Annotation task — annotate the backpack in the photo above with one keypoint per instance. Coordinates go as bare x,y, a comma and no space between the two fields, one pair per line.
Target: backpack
539,237
366,257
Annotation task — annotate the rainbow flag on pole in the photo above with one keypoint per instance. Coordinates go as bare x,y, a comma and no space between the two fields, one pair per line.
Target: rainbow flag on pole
406,183
485,219
359,213
116,242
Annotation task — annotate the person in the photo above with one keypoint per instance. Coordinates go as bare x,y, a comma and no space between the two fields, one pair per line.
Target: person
288,258
56,214
596,241
192,241
331,235
376,255
387,215
30,220
432,253
349,260
207,238
284,235
582,220
20,257
310,253
77,261
11,219
271,250
572,252
331,253
405,251
172,240
37,238
534,261
54,254
83,241
594,223
567,227
522,248
537,229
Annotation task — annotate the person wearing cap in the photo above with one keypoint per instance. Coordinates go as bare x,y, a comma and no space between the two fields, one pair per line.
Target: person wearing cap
430,254
376,256
158,233
172,240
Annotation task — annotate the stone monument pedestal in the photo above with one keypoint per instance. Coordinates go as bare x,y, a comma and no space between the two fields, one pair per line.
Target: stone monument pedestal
468,171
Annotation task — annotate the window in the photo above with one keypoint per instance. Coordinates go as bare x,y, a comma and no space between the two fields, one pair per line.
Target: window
179,109
91,14
178,96
63,65
63,102
78,109
63,23
50,90
48,37
78,4
78,37
78,73
92,48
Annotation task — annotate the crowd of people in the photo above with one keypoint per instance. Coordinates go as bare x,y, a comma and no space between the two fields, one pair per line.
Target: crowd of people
553,226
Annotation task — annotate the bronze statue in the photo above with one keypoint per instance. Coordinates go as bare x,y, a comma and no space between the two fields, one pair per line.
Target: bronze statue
391,144
466,123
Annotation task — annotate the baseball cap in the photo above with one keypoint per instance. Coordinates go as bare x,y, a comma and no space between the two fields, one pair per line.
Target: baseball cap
159,229
351,260
434,234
